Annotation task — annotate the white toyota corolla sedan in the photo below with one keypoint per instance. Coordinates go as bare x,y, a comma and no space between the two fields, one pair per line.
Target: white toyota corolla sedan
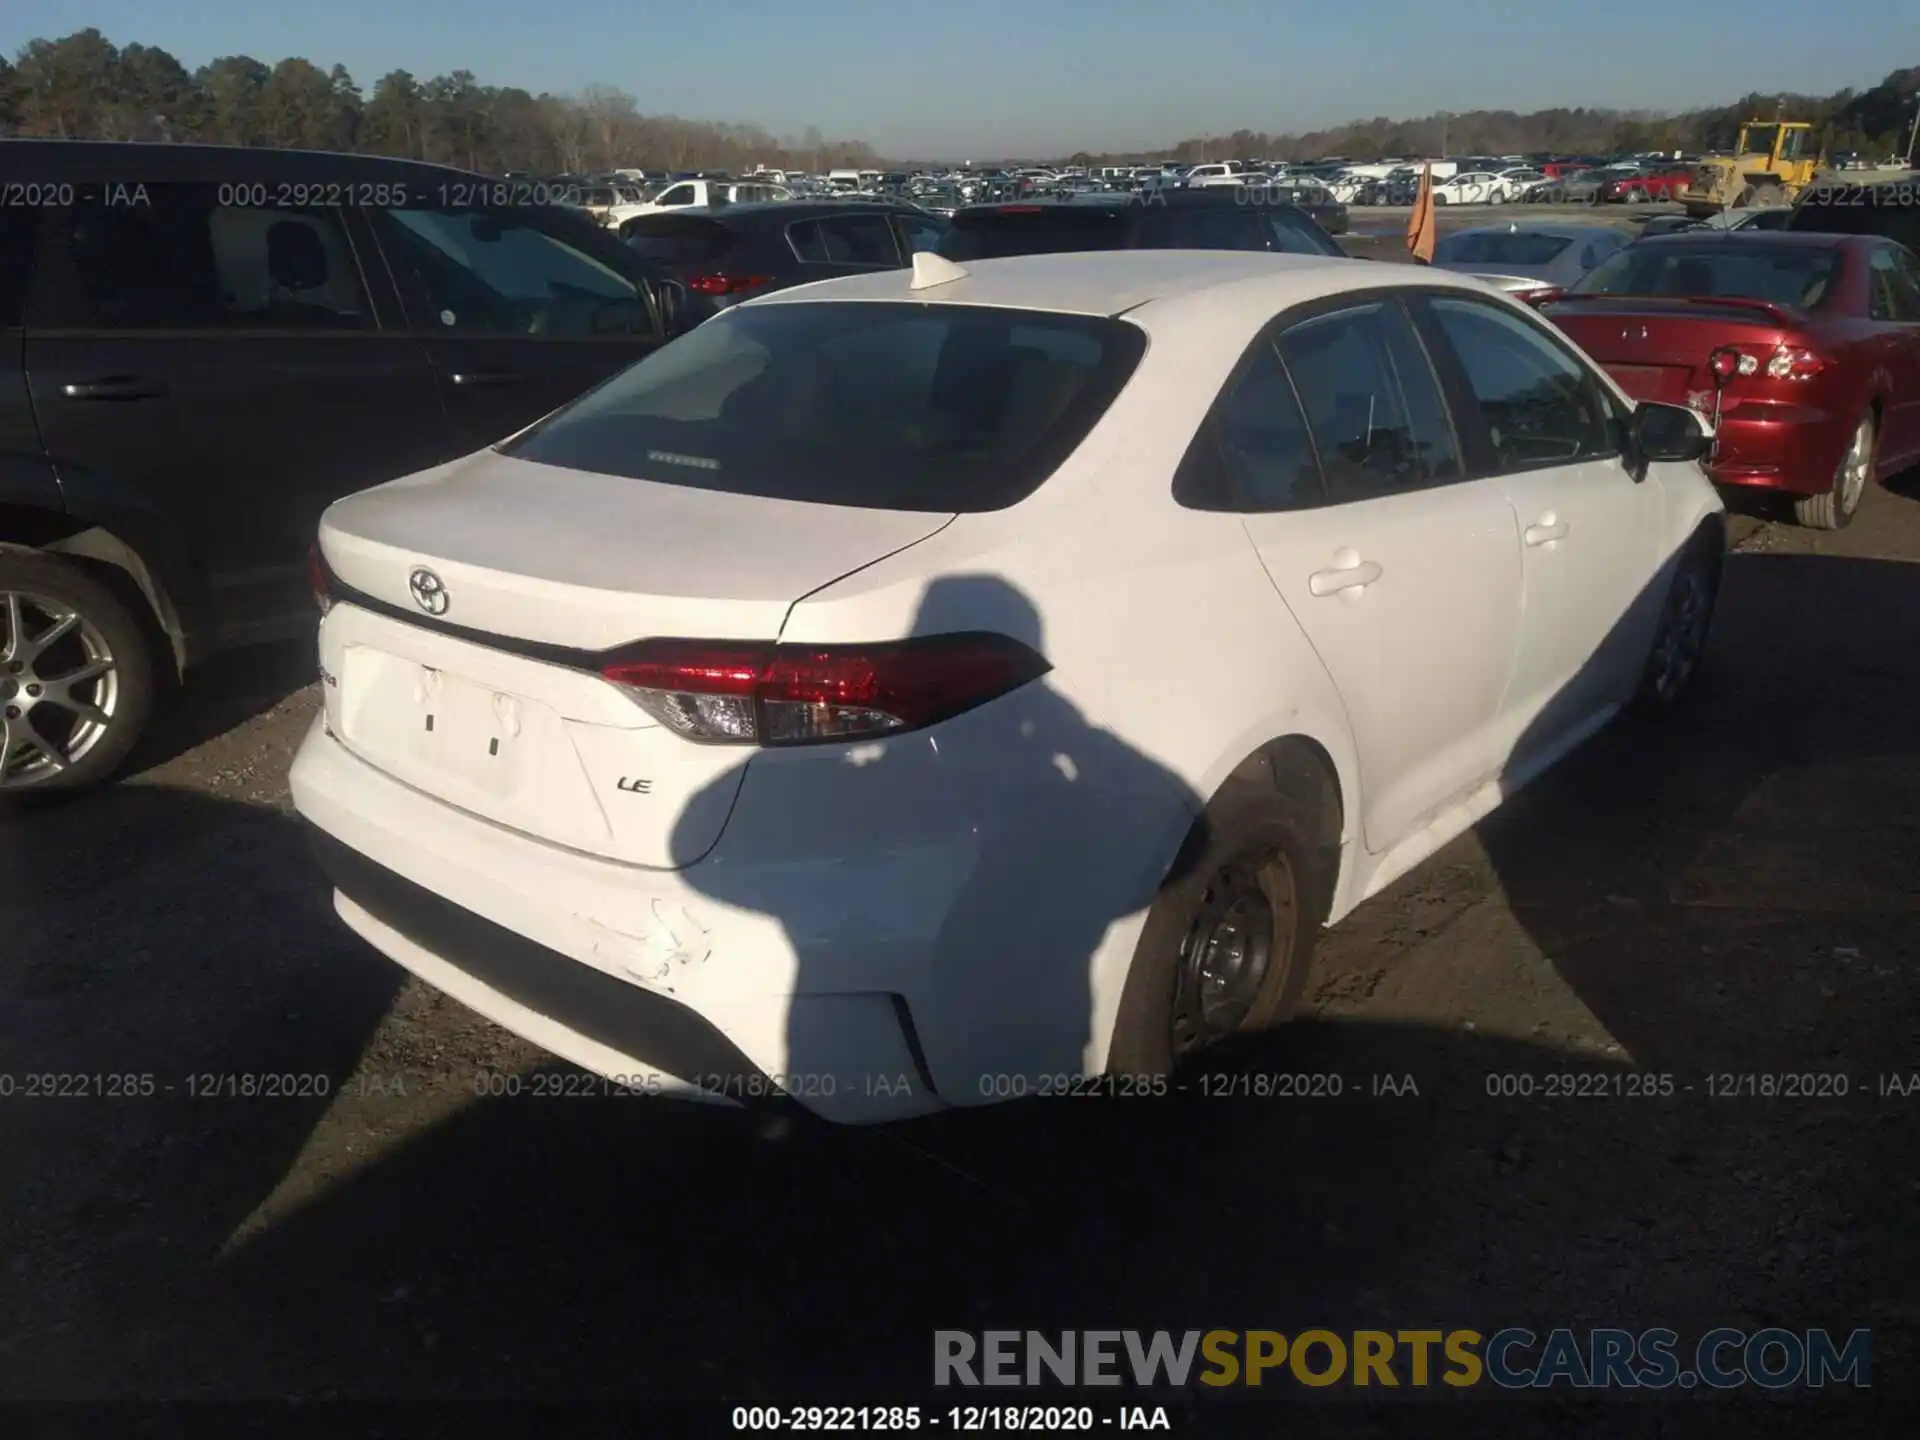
944,685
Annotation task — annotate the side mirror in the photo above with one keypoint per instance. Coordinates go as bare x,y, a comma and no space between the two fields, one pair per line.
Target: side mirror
1670,433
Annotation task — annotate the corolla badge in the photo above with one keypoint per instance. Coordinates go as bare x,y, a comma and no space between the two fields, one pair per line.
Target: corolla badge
429,591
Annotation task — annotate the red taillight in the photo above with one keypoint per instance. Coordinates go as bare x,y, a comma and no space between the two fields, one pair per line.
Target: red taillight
320,578
1020,209
1778,362
726,284
723,693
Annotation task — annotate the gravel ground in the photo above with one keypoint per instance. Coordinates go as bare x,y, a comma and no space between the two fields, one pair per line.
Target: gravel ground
1733,892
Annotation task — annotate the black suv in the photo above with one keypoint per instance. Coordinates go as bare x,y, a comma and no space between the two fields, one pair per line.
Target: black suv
1890,209
200,348
1219,218
720,256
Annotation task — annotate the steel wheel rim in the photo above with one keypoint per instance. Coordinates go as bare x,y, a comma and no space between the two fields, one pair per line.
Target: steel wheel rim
59,688
1854,469
1683,632
1240,940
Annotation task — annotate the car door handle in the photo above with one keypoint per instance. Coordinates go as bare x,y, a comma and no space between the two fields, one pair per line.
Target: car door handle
114,387
1347,577
1546,532
477,379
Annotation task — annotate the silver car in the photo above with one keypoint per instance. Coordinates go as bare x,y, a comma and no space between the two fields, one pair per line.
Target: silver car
1529,261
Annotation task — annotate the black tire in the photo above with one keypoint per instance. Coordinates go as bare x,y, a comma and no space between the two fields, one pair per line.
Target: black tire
1679,647
1265,820
1835,507
126,642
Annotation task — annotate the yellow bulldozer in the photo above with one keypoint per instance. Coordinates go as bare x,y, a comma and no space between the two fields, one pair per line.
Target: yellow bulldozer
1773,161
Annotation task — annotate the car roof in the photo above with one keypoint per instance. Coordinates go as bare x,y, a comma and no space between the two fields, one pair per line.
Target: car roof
134,162
785,212
1112,282
1809,239
1559,232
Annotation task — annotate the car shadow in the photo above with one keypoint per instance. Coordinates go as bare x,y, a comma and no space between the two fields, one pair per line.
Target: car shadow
131,1159
225,692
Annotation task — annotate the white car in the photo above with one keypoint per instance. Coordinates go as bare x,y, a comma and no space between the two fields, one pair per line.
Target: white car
1469,187
923,688
694,194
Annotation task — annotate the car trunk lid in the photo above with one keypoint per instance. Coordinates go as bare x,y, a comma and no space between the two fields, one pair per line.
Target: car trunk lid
1657,348
480,600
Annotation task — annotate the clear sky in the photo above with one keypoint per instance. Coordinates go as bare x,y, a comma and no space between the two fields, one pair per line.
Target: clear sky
1001,77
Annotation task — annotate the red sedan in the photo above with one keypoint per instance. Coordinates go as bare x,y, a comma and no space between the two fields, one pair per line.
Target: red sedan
1805,349
1648,185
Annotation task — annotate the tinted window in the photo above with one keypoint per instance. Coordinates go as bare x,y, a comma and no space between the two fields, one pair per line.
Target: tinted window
1909,265
677,195
1891,295
995,234
922,234
1296,235
1537,405
1801,276
18,229
1775,219
1372,404
678,239
501,273
859,240
1502,248
1852,210
183,262
1203,227
1264,442
907,407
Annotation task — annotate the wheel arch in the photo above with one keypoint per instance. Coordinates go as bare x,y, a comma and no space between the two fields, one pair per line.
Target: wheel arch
109,559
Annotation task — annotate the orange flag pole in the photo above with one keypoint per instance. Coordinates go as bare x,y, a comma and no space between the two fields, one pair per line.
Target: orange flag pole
1420,225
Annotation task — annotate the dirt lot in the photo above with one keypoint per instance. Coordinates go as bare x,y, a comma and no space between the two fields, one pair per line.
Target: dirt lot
1732,893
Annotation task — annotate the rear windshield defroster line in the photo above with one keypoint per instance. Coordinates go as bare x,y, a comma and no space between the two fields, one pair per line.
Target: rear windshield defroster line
882,405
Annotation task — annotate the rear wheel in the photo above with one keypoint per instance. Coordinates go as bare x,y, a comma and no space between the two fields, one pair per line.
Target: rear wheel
76,677
1228,944
1834,507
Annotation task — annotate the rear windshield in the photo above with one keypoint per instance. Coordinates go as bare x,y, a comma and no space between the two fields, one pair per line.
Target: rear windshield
1795,275
678,239
1049,230
1504,248
1858,210
877,405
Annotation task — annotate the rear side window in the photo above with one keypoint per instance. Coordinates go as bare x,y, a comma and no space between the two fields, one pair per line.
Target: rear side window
1372,403
997,234
1294,234
879,406
1264,442
184,262
845,240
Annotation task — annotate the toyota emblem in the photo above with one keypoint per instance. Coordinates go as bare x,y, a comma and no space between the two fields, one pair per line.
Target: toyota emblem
429,591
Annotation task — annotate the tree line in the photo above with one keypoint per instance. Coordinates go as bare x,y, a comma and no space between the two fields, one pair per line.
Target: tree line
1875,122
83,86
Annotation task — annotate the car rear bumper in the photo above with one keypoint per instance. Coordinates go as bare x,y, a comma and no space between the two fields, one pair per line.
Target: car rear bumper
1794,452
880,931
696,1001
